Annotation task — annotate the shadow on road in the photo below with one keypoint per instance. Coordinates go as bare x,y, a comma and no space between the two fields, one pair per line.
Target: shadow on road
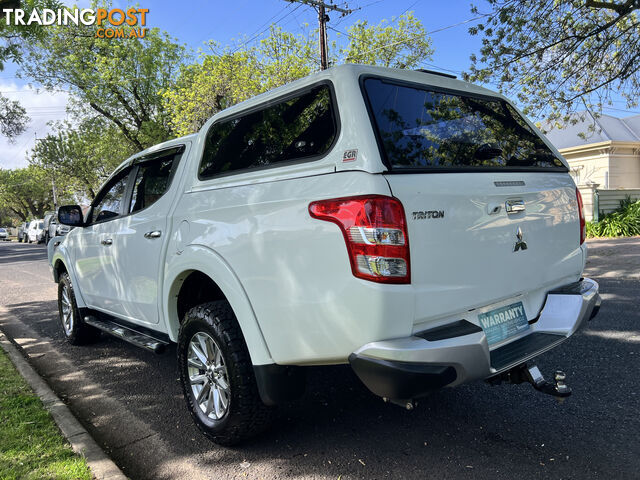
339,428
614,258
22,252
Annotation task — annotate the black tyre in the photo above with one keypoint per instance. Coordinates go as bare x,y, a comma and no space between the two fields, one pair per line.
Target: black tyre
75,330
46,239
217,376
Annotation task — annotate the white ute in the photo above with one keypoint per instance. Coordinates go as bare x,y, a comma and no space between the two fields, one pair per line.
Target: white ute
415,226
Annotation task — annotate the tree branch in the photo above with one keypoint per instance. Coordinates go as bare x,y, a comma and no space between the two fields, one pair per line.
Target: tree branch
123,128
621,8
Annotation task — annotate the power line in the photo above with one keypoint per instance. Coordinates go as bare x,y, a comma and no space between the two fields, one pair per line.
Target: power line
243,44
371,3
619,110
420,35
408,8
258,32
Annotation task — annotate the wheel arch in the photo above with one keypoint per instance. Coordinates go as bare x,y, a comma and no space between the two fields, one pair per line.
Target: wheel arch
59,264
199,264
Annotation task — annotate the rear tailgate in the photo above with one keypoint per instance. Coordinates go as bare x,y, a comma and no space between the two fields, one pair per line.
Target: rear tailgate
463,241
493,219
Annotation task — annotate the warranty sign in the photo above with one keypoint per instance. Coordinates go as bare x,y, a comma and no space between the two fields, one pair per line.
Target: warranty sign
503,322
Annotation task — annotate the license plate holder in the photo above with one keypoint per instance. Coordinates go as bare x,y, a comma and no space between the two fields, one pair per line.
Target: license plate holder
503,322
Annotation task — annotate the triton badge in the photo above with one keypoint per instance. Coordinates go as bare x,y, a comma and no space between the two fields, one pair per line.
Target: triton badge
520,243
422,215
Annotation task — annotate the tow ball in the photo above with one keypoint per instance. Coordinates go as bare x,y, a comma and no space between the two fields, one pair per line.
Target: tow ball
523,373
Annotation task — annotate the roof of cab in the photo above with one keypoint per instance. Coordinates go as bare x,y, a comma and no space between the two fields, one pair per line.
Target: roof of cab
152,149
164,145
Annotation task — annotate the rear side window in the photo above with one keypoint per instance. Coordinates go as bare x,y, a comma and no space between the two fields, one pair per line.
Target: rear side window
152,181
420,128
298,128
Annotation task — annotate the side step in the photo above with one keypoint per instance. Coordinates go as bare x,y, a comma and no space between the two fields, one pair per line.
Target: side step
127,334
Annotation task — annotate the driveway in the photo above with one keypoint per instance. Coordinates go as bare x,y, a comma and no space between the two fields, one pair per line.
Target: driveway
131,401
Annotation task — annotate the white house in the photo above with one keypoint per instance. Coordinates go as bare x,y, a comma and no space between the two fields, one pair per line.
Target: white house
604,155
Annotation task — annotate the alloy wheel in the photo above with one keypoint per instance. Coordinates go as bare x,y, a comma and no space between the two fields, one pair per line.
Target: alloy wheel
67,311
208,376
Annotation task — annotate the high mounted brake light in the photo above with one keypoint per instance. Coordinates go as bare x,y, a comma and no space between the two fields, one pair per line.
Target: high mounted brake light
583,227
375,231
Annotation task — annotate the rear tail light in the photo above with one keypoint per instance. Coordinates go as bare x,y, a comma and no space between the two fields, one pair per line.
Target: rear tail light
583,227
375,231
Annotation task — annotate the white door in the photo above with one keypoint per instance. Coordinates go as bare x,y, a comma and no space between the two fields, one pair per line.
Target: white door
95,264
143,235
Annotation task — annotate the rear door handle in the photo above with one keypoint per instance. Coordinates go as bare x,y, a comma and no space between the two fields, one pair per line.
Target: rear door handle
106,242
154,234
514,206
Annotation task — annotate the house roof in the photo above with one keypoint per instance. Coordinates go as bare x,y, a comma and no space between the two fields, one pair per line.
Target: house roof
596,129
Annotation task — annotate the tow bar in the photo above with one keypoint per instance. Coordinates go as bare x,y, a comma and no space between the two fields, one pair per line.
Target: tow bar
522,373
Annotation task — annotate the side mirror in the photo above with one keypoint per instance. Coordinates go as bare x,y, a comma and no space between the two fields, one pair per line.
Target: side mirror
71,215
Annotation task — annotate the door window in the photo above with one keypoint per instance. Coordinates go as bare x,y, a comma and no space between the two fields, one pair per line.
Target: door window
152,181
110,200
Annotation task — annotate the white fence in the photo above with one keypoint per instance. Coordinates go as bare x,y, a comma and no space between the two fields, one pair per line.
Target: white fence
608,200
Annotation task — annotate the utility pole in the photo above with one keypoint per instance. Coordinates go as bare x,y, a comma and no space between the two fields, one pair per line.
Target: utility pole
53,183
55,198
323,18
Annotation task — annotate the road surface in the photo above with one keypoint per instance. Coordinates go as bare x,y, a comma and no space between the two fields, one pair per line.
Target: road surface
131,401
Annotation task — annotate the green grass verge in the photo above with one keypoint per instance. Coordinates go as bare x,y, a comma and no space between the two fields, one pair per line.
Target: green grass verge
31,446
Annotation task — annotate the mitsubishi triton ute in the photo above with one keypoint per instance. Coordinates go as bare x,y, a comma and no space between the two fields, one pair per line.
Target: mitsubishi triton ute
414,226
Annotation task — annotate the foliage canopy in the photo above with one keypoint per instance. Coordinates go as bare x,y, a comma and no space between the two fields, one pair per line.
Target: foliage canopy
561,56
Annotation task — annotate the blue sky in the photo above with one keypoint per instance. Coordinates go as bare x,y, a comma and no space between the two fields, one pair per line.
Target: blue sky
198,21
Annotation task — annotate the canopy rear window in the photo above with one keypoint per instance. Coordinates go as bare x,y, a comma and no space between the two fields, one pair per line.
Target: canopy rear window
420,128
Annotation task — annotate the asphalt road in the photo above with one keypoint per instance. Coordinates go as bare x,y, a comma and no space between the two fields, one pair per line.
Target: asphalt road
130,400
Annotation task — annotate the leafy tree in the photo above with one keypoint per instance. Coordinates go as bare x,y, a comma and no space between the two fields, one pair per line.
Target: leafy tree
561,56
284,57
81,158
208,87
26,192
13,118
220,80
119,79
8,218
404,45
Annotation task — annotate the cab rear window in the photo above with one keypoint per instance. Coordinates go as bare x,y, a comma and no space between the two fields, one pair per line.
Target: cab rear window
421,128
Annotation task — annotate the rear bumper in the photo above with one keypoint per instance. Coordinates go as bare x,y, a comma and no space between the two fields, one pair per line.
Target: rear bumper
409,367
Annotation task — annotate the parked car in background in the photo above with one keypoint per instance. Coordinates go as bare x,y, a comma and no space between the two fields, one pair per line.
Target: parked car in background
22,231
35,233
49,218
4,234
52,228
